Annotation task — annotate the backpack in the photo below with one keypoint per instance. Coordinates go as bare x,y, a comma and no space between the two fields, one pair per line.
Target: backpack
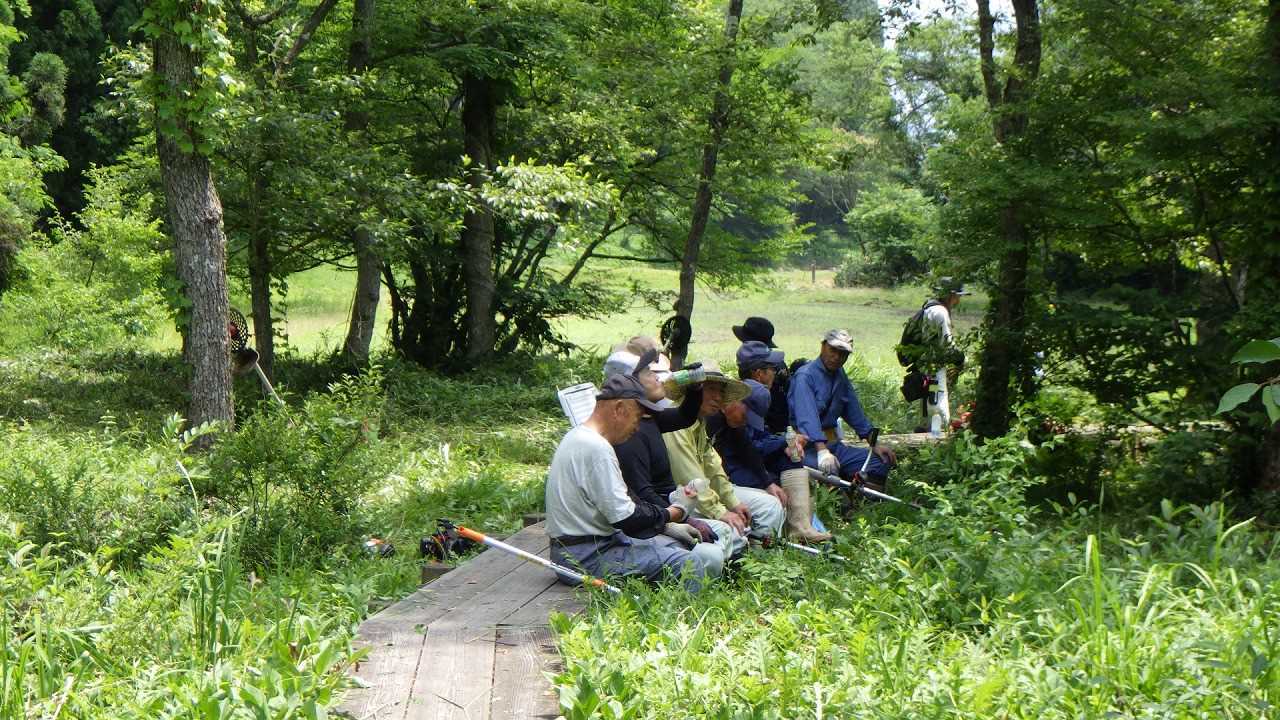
908,348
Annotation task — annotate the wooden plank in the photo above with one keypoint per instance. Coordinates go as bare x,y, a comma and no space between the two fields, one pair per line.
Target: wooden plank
455,676
522,658
456,671
389,671
453,590
396,636
566,599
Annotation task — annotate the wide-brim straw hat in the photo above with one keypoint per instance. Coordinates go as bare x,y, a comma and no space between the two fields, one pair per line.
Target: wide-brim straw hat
734,390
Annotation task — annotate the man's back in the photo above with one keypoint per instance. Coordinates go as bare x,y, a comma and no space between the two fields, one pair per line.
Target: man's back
585,493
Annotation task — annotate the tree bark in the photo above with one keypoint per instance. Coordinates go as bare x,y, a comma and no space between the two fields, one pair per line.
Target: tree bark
199,246
479,116
260,267
1004,354
364,304
719,122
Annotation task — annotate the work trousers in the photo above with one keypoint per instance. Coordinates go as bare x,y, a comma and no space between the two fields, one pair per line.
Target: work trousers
651,558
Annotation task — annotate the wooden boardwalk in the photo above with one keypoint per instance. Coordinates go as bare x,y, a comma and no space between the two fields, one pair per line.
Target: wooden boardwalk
473,644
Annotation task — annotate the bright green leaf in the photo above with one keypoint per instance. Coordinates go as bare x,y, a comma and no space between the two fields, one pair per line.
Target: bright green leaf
1237,395
1271,401
1258,351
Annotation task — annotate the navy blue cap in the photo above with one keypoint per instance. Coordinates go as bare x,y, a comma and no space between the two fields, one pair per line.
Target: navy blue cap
754,354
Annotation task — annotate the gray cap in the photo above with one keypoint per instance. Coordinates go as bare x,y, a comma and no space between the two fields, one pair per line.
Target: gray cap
839,339
626,387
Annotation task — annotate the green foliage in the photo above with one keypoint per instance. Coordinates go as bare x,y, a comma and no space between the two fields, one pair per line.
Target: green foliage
199,640
90,492
98,287
190,110
1256,351
299,478
896,227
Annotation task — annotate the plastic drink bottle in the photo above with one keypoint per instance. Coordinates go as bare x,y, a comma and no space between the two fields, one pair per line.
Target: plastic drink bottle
793,446
689,376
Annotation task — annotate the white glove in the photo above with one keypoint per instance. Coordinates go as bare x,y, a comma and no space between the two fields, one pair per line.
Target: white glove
687,495
685,533
827,462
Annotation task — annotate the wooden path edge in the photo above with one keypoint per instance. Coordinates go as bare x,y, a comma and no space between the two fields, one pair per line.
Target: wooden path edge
473,644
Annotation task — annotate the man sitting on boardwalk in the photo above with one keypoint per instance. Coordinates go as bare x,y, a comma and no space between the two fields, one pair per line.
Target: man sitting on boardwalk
821,396
693,457
590,514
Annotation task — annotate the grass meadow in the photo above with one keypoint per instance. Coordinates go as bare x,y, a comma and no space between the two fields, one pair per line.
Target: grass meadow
317,305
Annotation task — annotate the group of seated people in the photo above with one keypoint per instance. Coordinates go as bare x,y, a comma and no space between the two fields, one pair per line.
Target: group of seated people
676,470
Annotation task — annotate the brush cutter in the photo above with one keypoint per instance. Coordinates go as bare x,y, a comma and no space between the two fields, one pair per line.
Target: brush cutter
560,570
836,481
770,541
859,476
243,357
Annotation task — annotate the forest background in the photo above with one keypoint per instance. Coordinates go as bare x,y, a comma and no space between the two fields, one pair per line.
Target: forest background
484,186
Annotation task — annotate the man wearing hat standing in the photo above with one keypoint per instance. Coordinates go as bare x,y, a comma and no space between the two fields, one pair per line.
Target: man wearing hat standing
693,457
594,524
941,359
758,329
821,396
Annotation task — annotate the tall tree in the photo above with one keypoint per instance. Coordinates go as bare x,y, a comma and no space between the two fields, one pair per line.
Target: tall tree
718,123
188,47
479,118
1270,249
1004,355
364,303
269,142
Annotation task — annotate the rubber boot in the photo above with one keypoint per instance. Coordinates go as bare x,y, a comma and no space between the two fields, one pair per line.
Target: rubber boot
799,508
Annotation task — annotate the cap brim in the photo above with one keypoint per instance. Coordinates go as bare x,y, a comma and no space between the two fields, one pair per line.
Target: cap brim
649,406
777,357
738,330
839,345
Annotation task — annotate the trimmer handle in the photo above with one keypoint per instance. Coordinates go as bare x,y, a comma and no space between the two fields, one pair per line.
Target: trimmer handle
873,436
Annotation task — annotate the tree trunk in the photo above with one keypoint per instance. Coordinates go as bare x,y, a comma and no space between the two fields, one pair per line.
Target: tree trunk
719,122
199,246
260,282
1005,348
479,116
1004,354
364,305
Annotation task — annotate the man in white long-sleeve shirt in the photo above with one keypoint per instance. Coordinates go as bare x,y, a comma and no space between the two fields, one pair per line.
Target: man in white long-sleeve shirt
938,353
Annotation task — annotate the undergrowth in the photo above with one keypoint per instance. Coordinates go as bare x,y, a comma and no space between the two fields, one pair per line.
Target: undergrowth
140,580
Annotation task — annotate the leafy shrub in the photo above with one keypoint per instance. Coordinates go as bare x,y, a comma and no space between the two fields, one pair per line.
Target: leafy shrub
90,493
300,477
895,226
98,287
186,635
